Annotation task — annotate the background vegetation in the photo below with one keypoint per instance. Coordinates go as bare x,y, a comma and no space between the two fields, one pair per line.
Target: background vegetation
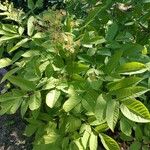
78,72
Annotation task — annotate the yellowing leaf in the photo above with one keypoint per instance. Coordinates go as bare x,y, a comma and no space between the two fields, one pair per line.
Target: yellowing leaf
135,111
51,137
132,116
52,97
4,62
78,144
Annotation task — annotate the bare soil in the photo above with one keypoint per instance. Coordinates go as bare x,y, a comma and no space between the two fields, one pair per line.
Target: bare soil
11,134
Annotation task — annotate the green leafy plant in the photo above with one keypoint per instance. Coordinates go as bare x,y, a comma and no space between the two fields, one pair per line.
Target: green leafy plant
77,79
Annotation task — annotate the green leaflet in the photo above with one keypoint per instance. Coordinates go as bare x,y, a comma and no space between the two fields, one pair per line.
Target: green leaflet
8,37
5,107
138,109
38,35
132,68
46,146
95,84
31,53
108,142
58,63
65,143
72,124
100,108
21,30
10,106
132,48
24,107
15,106
138,132
127,93
39,4
22,83
49,70
101,128
80,67
93,141
9,28
112,113
85,139
19,44
43,66
51,137
2,32
10,96
90,39
75,145
31,129
85,127
136,145
30,4
71,103
73,100
17,56
111,31
96,11
9,73
4,62
90,98
146,1
52,97
113,62
78,144
35,100
125,126
123,83
30,25
51,83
